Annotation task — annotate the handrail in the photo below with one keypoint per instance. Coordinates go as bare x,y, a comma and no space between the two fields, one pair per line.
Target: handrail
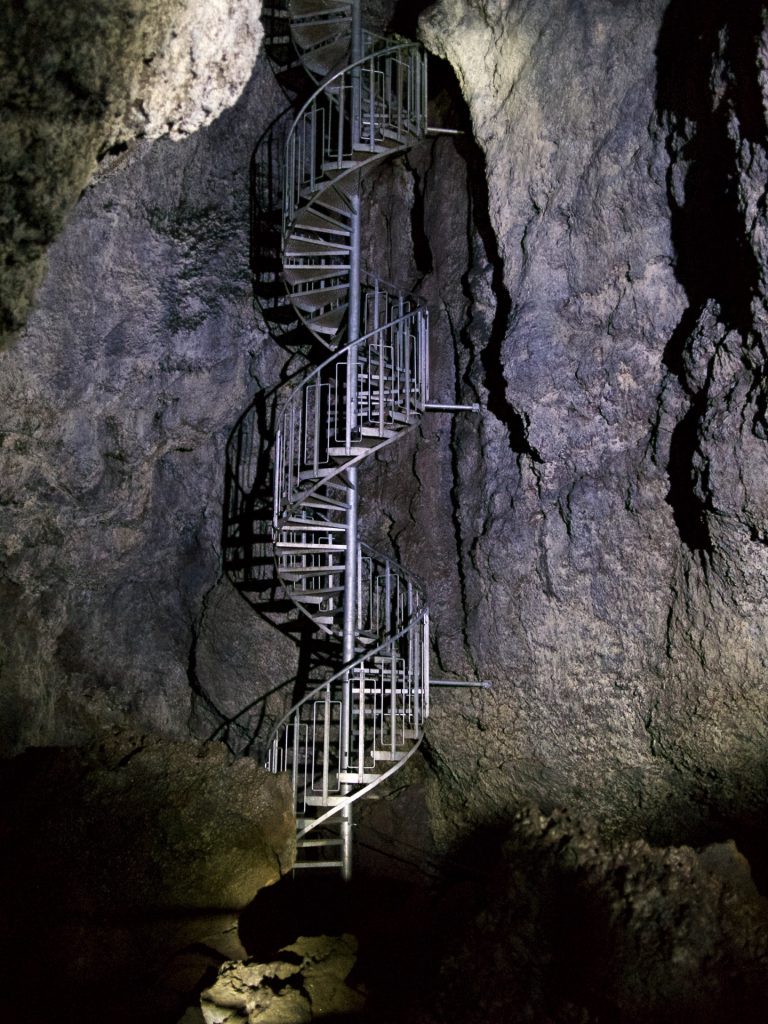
323,86
357,727
403,391
339,353
350,667
324,91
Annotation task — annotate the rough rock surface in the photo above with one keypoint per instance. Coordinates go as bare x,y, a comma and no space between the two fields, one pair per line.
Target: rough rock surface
594,544
115,407
78,80
542,920
609,508
308,983
134,824
564,927
127,859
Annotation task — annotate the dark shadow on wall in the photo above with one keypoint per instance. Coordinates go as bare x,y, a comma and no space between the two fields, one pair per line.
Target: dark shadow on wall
707,67
249,564
448,103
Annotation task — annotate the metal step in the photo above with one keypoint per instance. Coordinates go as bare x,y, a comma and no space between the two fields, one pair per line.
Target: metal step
359,447
318,864
387,755
298,273
328,322
310,34
323,503
332,800
325,59
317,593
311,525
305,245
298,547
318,298
309,844
361,779
310,572
298,9
311,219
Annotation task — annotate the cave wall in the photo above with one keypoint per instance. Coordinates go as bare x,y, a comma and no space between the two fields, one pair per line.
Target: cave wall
116,402
594,543
611,503
81,80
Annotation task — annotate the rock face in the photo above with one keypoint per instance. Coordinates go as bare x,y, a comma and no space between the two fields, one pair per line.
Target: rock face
609,509
79,81
116,404
593,250
307,985
123,860
142,824
564,927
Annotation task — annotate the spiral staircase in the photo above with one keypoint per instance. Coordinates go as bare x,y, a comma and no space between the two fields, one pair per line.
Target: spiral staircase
348,734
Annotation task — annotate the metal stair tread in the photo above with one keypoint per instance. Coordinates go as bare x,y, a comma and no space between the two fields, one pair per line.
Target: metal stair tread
296,546
332,800
312,570
310,525
361,779
306,245
320,502
302,8
325,59
318,298
387,755
317,592
309,218
314,844
318,474
329,321
300,272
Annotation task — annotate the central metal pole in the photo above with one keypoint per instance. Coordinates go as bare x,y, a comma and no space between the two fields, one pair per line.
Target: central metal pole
351,581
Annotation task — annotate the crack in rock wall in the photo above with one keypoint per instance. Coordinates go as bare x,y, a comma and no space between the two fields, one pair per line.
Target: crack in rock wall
595,543
611,500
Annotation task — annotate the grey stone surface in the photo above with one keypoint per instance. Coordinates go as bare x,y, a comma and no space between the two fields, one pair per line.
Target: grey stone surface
593,251
555,924
308,985
78,80
142,825
115,407
124,866
622,422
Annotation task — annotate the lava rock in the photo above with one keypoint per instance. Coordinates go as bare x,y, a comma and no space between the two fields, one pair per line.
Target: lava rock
307,985
79,83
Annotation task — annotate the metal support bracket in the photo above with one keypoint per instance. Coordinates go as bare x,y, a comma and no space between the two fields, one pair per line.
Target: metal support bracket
483,684
445,407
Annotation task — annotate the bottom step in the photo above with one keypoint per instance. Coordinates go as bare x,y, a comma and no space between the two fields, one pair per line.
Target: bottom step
305,844
318,864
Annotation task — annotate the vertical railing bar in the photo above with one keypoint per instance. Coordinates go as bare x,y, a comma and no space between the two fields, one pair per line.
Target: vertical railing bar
326,740
361,725
316,429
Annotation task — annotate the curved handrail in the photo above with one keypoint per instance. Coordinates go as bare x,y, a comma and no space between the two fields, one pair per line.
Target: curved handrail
340,673
366,789
403,393
324,90
323,86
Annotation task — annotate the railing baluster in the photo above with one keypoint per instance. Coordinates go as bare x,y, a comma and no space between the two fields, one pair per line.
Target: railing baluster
378,382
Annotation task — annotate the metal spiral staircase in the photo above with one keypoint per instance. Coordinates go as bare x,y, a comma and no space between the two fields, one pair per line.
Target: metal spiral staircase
356,728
